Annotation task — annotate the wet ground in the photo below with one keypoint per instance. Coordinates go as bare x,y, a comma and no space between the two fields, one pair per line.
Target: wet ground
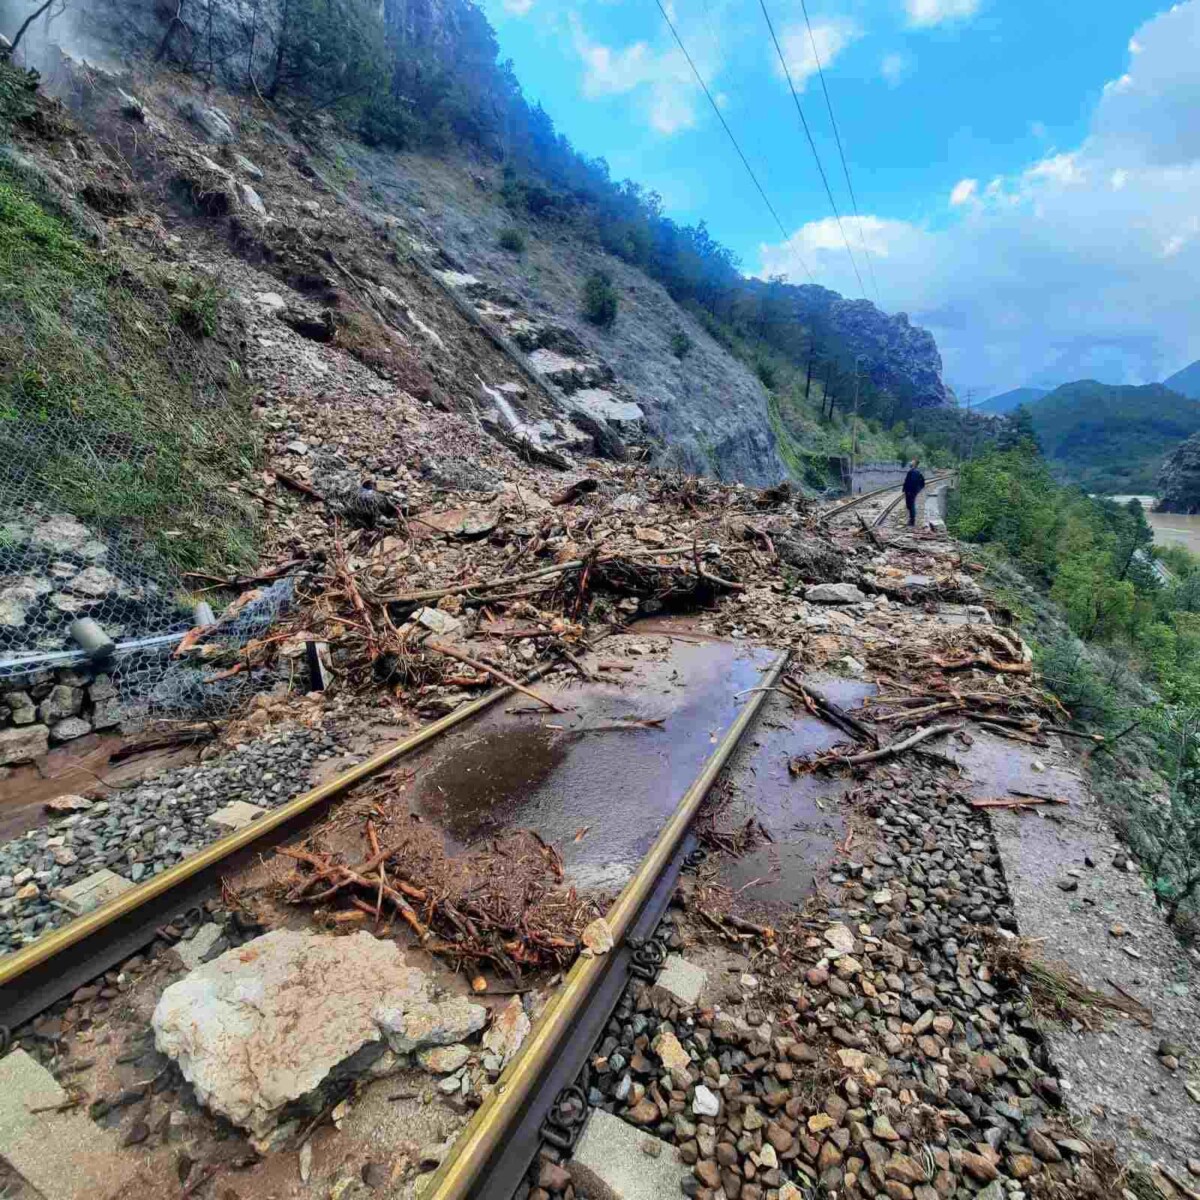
799,812
592,781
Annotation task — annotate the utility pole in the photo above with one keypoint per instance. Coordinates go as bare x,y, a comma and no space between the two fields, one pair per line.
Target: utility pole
854,435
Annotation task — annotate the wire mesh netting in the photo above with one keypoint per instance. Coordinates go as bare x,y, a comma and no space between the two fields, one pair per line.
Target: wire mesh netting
56,569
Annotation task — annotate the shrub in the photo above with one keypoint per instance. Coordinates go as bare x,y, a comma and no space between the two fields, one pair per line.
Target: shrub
767,374
512,239
600,299
680,344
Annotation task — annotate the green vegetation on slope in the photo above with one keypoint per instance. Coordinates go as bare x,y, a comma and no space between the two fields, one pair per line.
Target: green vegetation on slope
1120,647
117,402
1111,438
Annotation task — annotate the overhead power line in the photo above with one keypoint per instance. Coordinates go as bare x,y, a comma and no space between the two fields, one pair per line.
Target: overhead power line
813,146
729,134
837,137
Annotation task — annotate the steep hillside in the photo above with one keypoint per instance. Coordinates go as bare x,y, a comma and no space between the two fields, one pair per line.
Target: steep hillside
1007,401
1112,438
459,156
1186,382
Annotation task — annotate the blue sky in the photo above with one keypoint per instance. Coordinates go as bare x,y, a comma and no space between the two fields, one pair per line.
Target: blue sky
1028,173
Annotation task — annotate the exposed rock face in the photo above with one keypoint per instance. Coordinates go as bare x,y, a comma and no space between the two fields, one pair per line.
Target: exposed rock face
1179,479
262,1026
107,31
900,356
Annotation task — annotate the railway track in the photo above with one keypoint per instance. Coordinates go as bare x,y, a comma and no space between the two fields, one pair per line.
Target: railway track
851,505
537,1099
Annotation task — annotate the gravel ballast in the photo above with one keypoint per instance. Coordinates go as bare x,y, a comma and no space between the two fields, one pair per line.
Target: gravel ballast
140,832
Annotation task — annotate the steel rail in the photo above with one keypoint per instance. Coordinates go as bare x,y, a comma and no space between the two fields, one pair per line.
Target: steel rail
842,508
18,966
463,1174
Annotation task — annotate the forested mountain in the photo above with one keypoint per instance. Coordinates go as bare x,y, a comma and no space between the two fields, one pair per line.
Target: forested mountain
1186,382
1007,401
1112,438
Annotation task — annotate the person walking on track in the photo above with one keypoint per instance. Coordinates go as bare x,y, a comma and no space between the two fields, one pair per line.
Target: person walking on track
914,485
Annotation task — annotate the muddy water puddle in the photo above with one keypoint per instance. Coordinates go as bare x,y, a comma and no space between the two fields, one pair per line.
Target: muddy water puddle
590,781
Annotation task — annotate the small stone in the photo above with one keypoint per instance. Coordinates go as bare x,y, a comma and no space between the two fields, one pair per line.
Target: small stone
306,1155
1043,1147
820,1122
840,938
375,1175
881,1127
705,1103
553,1177
1068,885
670,1052
597,936
978,1167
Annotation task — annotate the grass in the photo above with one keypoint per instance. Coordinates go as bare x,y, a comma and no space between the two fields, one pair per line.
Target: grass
119,401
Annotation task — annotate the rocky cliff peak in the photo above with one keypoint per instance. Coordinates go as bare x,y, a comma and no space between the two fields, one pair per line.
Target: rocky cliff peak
1178,484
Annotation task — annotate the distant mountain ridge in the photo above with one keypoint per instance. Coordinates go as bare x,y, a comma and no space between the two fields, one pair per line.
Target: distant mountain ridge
1007,401
1112,438
1186,382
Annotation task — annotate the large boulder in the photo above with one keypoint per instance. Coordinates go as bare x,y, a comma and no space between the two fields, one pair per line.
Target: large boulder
1179,479
833,593
261,1027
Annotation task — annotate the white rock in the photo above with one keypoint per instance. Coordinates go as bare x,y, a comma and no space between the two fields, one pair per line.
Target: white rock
60,533
705,1103
597,937
840,938
437,621
252,200
510,1027
264,1024
833,593
23,743
247,167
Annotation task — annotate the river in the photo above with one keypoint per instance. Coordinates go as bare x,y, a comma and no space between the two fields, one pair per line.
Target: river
1169,528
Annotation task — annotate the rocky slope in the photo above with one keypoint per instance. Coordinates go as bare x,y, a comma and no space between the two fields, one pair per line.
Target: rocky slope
701,409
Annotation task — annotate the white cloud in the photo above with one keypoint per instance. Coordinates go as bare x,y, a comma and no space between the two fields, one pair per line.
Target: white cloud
893,68
518,8
964,190
1083,264
830,38
939,12
663,79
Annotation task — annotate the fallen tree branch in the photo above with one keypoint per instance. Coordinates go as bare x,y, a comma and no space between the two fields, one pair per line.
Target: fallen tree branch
450,652
475,585
833,713
898,748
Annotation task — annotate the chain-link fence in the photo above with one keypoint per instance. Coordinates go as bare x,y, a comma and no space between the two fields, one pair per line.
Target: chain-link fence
91,618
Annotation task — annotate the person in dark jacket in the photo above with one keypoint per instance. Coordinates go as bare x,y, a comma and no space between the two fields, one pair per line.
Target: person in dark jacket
914,485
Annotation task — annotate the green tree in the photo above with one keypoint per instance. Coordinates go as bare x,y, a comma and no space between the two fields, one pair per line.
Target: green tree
600,299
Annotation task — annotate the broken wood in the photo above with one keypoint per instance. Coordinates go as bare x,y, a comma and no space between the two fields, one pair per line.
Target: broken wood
818,703
897,748
581,487
162,739
298,485
496,674
1017,802
474,585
